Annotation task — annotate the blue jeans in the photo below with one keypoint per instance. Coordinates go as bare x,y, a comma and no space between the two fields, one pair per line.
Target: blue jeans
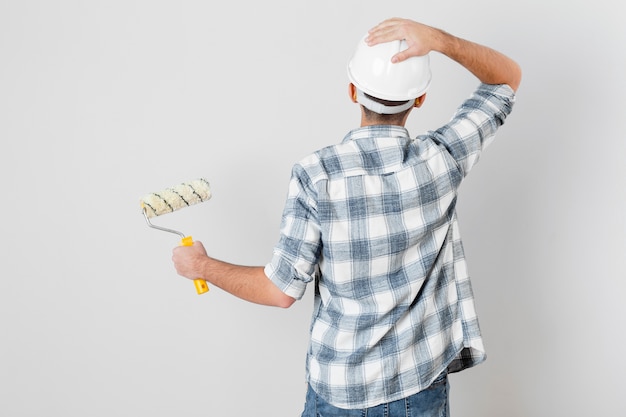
432,402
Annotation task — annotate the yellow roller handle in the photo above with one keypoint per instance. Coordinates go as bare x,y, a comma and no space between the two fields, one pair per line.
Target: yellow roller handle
201,285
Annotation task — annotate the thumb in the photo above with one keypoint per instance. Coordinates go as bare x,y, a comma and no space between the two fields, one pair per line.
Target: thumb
400,56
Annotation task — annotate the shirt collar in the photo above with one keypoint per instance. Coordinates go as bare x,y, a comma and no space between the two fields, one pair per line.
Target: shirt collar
377,131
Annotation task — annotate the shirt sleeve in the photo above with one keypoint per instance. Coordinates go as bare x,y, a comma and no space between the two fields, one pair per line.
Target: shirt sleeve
295,256
474,125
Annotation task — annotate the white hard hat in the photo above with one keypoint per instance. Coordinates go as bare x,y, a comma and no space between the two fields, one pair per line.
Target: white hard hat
372,72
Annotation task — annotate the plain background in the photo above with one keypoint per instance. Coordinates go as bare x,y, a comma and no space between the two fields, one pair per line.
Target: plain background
102,102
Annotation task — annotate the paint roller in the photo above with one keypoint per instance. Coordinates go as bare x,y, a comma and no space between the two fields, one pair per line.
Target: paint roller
172,199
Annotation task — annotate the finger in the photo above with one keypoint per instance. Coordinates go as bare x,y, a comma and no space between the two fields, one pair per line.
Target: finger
387,33
383,35
387,23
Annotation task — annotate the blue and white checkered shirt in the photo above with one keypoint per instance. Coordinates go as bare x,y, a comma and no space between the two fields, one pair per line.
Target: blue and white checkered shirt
372,222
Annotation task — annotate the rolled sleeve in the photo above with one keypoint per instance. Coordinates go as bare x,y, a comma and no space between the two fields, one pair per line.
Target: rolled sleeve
281,273
296,255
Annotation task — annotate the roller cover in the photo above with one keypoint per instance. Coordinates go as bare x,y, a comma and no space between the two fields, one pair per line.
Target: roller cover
172,199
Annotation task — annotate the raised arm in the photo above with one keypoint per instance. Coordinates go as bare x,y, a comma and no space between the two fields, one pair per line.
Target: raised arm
488,65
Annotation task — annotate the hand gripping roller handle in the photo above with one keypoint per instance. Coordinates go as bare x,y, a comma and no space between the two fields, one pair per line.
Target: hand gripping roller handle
200,284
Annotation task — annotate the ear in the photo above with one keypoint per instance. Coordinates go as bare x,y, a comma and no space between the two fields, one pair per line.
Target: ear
420,100
352,92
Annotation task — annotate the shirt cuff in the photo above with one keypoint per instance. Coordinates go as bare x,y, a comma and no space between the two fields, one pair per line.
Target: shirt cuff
281,274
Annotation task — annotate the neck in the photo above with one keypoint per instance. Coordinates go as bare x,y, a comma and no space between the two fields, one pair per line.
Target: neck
384,121
365,123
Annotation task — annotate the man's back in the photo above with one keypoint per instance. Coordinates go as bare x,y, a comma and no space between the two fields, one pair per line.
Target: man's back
375,222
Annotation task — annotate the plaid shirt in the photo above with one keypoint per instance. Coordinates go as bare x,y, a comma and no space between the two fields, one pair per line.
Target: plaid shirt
372,222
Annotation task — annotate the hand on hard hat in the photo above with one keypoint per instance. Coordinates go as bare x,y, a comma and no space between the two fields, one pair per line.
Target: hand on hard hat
373,71
418,37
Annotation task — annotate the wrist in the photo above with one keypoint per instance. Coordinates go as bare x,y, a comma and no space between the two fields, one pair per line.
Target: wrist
445,43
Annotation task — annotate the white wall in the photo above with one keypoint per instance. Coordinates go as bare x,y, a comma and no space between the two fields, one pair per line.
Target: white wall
104,101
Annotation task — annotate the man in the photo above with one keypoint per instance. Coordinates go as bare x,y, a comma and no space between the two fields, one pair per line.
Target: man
372,223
